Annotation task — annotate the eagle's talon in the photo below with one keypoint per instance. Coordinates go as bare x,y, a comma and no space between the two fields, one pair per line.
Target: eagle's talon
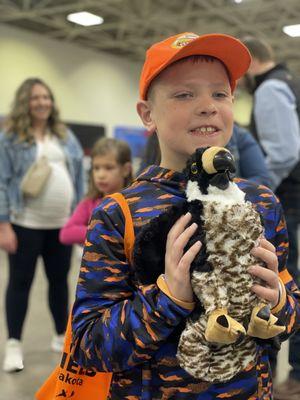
265,312
223,329
263,326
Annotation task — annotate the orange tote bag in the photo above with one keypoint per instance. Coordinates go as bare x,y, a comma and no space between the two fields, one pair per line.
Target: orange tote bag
68,380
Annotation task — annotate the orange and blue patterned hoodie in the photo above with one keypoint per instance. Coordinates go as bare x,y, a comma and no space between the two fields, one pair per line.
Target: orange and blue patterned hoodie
130,330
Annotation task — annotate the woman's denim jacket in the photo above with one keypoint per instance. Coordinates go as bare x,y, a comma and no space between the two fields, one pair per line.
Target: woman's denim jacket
15,159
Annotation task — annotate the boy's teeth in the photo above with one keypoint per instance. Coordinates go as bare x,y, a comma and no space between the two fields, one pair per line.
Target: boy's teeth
203,129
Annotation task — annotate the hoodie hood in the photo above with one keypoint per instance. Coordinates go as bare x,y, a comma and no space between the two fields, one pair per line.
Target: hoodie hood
173,182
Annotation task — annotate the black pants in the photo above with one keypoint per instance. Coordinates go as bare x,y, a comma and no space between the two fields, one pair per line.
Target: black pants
57,257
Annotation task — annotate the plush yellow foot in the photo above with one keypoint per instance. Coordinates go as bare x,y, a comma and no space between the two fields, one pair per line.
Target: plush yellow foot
223,329
262,323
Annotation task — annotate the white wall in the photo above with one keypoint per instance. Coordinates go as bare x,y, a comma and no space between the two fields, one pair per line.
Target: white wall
89,86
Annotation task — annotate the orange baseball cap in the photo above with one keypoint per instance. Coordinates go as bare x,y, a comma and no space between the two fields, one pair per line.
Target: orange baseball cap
231,51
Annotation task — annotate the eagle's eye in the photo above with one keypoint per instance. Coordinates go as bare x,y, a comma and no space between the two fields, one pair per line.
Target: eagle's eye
194,169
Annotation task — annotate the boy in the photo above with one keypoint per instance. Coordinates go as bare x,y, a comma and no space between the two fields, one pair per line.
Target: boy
132,330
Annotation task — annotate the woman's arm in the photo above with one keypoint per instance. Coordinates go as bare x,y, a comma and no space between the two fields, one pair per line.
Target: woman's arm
8,239
77,159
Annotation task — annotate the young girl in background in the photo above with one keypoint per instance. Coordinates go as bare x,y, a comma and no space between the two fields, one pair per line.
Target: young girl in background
111,171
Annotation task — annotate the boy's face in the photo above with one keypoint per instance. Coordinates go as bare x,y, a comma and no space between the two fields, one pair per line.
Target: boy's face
190,106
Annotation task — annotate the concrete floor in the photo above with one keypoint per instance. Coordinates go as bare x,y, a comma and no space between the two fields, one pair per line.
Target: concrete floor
38,331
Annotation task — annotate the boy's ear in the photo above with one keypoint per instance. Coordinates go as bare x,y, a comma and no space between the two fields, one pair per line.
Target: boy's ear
144,110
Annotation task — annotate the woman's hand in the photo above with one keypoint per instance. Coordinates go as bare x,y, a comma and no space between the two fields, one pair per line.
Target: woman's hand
8,238
269,275
177,263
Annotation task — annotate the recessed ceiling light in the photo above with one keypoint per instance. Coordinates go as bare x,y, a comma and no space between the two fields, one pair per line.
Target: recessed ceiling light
292,30
85,18
238,1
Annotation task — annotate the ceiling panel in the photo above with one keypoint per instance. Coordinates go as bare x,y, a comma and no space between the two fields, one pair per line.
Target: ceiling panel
132,25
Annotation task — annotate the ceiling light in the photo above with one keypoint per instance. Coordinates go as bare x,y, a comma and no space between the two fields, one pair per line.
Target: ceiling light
85,18
238,1
292,30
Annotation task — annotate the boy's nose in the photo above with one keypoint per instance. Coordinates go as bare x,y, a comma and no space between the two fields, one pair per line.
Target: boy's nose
206,108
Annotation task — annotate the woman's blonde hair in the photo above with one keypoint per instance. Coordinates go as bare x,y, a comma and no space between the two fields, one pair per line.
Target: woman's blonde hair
19,120
103,147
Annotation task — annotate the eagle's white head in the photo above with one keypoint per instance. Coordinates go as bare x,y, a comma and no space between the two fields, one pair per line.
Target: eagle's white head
209,173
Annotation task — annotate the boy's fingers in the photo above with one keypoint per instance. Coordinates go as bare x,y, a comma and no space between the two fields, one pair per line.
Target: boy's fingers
178,228
267,275
185,236
267,245
189,256
267,256
265,293
179,244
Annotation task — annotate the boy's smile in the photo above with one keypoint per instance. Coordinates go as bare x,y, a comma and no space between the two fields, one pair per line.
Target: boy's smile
190,105
204,130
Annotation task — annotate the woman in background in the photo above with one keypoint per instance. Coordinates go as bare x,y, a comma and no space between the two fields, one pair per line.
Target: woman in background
29,226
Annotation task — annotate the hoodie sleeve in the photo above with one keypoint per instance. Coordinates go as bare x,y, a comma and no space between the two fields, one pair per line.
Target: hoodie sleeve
288,310
116,325
268,205
74,230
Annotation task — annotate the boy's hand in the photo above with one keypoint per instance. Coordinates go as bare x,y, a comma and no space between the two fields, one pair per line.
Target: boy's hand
267,253
177,263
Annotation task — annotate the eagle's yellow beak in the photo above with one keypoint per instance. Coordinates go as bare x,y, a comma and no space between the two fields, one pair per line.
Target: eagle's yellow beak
217,159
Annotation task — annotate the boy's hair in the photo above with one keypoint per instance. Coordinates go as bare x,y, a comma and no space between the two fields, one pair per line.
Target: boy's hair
259,48
105,146
19,120
227,49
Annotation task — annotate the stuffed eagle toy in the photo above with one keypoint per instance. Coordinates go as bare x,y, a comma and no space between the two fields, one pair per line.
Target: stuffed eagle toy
218,339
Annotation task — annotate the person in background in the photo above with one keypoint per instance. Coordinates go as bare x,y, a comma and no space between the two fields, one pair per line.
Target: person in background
122,326
275,124
249,159
110,172
29,226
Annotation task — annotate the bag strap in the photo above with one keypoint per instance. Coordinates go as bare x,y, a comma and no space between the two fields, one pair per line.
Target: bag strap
129,235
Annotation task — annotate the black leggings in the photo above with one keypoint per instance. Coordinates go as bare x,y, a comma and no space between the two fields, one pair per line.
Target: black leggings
22,264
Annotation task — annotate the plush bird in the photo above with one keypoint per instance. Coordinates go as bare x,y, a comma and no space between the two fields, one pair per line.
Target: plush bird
218,339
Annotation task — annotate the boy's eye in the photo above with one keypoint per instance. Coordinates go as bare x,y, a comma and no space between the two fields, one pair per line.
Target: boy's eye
220,95
183,95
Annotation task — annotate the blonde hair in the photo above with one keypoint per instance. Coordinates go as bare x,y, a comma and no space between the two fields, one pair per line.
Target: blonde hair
103,147
19,120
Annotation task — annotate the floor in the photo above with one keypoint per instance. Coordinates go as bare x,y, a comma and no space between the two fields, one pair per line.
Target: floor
38,330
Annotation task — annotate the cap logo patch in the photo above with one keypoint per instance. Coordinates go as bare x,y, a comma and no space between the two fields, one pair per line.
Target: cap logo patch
183,40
